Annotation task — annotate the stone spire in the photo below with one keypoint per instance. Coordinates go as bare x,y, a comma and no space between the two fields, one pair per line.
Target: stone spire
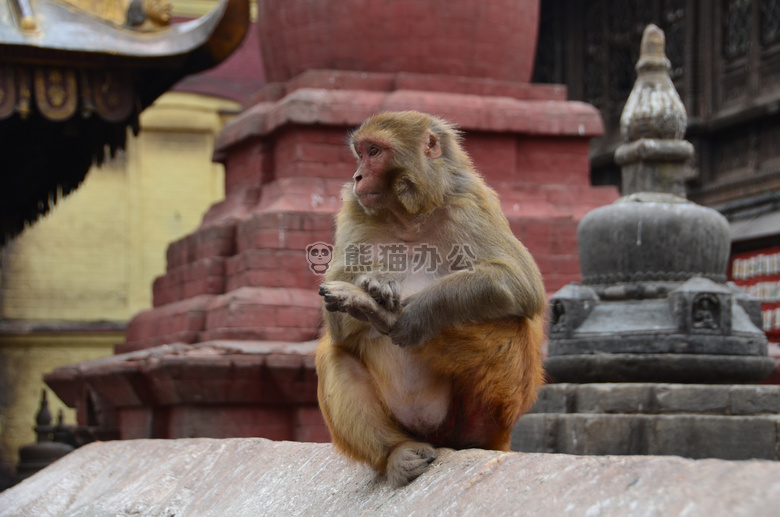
654,109
654,157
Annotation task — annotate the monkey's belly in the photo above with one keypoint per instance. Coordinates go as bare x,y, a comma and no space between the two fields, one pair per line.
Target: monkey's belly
419,400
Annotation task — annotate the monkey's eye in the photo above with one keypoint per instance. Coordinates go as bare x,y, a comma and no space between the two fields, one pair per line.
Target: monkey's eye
374,150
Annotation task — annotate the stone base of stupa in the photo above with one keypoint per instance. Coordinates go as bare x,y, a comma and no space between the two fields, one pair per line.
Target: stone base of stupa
735,422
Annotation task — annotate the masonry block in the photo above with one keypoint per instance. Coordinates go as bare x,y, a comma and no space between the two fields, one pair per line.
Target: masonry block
310,426
600,398
536,433
600,434
135,423
707,436
245,167
750,400
693,399
230,422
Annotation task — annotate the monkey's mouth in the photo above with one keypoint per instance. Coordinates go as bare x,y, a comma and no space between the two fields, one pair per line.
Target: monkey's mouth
368,197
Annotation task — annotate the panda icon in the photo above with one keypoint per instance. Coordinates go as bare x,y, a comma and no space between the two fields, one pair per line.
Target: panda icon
319,256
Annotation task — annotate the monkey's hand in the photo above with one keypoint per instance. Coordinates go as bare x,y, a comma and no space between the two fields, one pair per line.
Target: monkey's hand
386,293
415,325
358,303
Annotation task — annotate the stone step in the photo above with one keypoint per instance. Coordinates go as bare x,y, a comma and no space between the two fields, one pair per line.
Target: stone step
735,422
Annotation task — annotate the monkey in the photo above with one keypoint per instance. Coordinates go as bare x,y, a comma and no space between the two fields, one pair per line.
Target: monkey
418,358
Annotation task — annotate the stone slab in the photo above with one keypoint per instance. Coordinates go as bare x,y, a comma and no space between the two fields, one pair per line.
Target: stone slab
256,477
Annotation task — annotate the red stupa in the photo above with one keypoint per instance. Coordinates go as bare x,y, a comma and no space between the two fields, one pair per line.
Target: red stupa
227,349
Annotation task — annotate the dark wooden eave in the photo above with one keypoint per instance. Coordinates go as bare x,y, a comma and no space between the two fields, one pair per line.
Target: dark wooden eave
46,153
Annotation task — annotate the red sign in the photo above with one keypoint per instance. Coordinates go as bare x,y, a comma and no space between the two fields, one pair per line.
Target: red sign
758,273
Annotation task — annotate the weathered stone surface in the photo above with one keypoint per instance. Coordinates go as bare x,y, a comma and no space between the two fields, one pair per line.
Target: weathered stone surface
664,238
257,477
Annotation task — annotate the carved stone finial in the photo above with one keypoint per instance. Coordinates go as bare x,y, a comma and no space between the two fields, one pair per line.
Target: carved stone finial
654,109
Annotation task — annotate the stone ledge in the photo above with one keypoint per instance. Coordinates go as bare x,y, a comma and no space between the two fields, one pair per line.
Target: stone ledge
311,106
211,372
258,477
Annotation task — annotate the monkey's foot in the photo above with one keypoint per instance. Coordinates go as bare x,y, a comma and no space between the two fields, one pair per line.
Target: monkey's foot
386,293
353,300
407,461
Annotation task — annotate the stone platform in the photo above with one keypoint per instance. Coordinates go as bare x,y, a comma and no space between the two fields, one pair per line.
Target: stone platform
255,477
696,421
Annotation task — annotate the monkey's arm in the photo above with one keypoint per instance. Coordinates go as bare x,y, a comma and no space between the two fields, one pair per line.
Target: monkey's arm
492,291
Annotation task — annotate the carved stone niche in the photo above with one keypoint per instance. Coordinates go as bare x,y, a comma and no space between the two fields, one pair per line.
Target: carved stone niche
570,307
700,306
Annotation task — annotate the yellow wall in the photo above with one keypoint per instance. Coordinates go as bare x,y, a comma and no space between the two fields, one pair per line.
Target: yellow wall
94,257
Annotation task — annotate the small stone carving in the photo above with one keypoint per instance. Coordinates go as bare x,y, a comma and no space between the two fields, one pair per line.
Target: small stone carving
557,316
706,311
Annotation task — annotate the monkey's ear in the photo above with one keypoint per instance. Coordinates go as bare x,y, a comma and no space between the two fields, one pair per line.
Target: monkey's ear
432,145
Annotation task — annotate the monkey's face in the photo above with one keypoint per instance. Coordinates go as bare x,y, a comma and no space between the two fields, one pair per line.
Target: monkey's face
372,178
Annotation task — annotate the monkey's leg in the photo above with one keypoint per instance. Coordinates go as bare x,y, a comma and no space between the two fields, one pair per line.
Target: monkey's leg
360,424
345,297
497,367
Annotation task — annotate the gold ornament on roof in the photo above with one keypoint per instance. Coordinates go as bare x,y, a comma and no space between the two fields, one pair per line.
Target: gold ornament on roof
142,15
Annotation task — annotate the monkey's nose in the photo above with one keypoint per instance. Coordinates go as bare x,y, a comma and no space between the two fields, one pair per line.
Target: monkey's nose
357,177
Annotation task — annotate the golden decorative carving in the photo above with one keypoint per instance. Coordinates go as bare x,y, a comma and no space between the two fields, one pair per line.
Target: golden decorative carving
23,107
143,15
7,92
56,94
112,95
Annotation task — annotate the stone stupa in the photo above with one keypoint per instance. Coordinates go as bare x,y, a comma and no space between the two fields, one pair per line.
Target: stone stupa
654,350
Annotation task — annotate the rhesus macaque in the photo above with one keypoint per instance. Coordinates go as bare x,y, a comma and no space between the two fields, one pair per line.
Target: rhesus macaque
445,355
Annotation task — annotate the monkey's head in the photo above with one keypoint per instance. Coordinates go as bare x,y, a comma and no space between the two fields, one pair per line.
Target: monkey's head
405,159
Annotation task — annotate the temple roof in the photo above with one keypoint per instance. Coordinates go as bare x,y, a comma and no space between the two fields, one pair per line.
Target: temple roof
65,33
75,74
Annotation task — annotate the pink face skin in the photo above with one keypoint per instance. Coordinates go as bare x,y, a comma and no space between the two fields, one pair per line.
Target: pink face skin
371,179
